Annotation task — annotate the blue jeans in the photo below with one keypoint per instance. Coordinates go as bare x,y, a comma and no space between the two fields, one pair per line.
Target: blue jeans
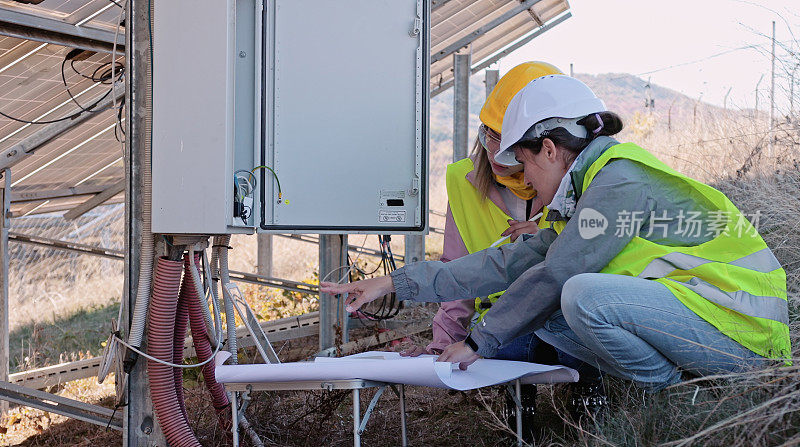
530,348
638,330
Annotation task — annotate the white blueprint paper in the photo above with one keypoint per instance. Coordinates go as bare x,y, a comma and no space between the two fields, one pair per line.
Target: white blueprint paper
392,368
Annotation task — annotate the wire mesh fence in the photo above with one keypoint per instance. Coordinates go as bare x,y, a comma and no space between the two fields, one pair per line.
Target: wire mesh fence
46,282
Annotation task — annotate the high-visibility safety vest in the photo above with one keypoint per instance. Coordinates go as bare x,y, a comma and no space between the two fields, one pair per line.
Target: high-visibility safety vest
479,221
732,281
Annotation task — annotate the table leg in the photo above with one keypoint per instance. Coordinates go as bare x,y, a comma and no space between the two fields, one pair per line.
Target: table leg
356,418
234,418
403,432
518,403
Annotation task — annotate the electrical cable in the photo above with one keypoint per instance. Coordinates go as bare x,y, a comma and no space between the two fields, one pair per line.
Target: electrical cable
114,58
275,175
101,80
120,110
244,212
358,269
163,362
90,108
66,118
388,307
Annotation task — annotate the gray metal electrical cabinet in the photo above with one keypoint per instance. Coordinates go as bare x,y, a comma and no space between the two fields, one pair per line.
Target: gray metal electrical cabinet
305,116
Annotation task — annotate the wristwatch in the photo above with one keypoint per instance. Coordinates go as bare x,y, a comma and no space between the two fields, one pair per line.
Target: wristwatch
471,343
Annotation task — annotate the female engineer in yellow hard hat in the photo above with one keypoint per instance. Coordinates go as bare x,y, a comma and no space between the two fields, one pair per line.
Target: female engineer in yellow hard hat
644,271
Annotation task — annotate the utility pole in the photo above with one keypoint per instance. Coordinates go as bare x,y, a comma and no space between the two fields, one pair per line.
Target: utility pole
694,116
757,85
669,114
791,92
772,95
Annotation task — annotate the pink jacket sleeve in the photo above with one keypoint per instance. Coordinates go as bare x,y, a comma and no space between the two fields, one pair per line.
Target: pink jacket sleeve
451,323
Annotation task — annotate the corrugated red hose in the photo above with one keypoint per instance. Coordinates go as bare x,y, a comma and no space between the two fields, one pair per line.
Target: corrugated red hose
202,345
161,345
181,324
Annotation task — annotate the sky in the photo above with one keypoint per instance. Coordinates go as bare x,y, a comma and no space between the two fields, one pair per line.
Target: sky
641,36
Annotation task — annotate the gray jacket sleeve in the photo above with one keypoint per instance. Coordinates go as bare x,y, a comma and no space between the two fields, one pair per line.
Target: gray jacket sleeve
477,274
619,187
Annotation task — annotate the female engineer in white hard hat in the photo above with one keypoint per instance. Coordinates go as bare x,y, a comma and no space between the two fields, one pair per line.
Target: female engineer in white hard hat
488,205
644,271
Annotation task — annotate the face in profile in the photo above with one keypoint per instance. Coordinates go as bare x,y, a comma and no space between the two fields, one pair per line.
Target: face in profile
545,169
492,147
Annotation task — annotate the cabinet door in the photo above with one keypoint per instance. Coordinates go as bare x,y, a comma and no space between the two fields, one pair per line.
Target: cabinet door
345,116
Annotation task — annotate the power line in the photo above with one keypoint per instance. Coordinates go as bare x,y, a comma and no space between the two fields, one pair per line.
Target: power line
695,61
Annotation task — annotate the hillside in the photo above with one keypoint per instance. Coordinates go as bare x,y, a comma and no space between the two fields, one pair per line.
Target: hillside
622,93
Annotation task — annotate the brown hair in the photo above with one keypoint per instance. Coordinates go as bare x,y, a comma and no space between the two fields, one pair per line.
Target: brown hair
484,176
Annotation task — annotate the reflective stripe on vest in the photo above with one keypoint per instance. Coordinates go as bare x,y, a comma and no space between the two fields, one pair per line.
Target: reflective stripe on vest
733,282
479,220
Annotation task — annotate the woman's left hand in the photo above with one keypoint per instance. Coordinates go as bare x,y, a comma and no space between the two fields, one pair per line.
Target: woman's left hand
517,228
459,353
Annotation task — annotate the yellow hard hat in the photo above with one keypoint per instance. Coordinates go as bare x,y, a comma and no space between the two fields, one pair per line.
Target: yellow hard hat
512,82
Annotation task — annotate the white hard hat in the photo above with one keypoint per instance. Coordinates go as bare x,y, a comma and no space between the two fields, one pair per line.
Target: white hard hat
561,98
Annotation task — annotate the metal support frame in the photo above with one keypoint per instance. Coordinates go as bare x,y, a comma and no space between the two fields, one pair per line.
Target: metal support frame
74,247
38,193
471,37
264,254
403,423
332,262
365,418
5,196
492,76
506,51
53,403
257,334
42,29
436,4
139,425
10,392
415,248
278,283
515,391
49,132
95,201
461,72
